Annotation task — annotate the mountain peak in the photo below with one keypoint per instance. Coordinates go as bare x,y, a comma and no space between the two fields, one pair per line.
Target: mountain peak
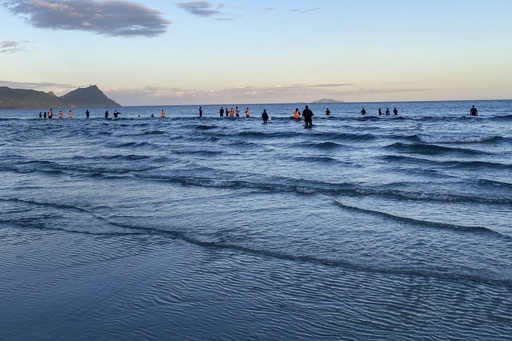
89,97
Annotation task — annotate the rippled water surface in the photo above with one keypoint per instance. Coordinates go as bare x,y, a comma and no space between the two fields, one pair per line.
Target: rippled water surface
142,228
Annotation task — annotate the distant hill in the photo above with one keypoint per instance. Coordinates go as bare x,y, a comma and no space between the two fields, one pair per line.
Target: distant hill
327,100
89,97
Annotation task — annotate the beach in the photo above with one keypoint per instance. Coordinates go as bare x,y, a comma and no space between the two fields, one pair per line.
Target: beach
360,228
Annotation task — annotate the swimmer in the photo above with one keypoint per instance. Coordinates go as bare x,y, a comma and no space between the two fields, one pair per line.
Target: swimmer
296,114
308,117
264,116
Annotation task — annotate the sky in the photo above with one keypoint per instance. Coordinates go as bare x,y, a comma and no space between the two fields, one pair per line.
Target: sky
259,51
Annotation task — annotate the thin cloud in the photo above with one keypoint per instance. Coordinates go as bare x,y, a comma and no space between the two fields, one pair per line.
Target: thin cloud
327,85
372,91
56,88
244,94
116,18
305,10
201,8
11,46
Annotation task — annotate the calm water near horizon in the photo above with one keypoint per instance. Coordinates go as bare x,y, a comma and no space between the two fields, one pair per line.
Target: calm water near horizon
361,228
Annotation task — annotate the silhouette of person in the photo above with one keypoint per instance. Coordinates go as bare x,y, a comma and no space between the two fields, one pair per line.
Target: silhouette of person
87,114
363,112
115,113
308,117
264,116
473,111
327,112
237,112
395,111
247,112
380,112
106,114
387,111
200,111
221,112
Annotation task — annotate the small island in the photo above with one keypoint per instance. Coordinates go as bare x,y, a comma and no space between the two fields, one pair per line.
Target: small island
327,100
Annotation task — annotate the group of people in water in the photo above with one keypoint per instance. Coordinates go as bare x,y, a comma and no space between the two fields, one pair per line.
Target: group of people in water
49,114
387,112
306,113
229,112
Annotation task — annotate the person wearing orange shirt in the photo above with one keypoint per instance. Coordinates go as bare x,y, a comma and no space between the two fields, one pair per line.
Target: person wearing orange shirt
70,114
296,114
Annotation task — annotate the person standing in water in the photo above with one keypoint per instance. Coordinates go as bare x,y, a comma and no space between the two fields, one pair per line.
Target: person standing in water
247,112
87,113
308,117
70,114
264,116
473,111
363,112
296,114
237,112
60,114
106,114
221,112
395,111
327,112
200,111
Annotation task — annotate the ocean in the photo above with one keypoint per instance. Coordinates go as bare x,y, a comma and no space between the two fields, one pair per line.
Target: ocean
367,227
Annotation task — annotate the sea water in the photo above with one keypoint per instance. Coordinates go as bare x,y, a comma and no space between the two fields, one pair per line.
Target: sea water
363,227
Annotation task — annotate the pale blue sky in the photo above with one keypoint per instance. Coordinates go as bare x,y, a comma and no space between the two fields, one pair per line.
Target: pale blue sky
260,51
